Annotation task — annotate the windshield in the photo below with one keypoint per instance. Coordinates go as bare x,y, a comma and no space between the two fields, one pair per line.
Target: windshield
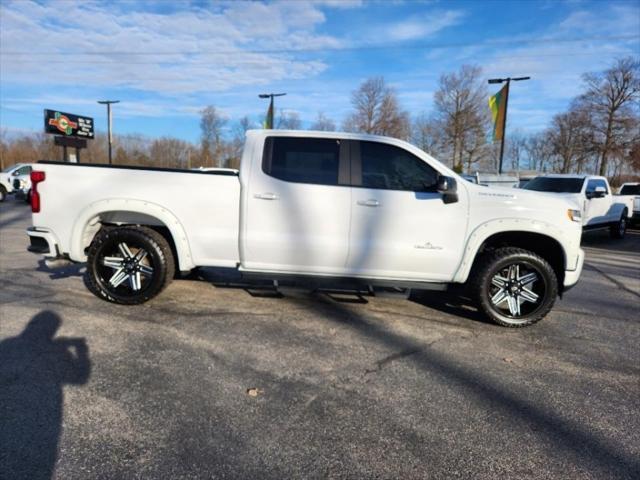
630,190
555,184
11,167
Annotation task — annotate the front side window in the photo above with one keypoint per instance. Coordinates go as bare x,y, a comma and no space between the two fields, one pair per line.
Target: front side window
388,167
302,160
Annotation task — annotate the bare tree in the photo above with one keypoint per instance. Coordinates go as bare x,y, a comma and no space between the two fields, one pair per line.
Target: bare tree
211,125
570,137
236,145
289,121
608,98
170,152
377,111
426,134
516,149
539,151
323,123
461,107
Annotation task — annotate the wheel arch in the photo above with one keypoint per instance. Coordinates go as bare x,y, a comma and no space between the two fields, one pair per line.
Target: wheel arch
540,238
130,212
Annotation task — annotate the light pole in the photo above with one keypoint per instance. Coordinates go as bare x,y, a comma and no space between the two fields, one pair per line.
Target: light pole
108,104
504,116
269,122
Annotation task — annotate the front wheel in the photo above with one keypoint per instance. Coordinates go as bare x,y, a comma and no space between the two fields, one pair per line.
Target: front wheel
619,228
129,265
514,287
3,193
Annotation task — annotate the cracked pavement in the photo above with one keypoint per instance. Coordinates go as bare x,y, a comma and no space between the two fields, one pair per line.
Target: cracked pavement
213,381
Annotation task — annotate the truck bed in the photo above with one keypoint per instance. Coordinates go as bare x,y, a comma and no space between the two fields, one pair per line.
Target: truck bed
202,207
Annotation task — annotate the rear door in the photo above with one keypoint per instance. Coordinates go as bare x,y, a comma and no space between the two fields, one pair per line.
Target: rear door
400,226
298,207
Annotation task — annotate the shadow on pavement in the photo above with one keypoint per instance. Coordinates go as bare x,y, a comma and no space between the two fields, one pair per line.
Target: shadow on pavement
576,440
34,367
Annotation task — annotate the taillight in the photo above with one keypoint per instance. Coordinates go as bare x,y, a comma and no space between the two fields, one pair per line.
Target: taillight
36,178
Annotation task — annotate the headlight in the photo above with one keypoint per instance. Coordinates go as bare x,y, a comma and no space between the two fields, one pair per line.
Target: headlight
574,215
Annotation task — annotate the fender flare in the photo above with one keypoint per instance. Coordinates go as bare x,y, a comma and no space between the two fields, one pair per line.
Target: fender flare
180,239
504,225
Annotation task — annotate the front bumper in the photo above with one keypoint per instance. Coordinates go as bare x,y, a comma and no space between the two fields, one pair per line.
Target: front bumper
571,276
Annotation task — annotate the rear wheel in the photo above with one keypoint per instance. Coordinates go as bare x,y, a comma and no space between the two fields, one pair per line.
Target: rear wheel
619,229
129,265
514,287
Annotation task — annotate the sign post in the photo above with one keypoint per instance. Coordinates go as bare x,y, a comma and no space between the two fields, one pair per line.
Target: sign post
71,131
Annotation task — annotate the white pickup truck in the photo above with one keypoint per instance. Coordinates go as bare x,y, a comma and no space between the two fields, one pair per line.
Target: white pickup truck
598,206
319,206
14,179
632,190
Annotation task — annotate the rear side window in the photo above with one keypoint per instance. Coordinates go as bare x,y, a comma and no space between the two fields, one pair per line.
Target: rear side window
630,190
302,160
23,170
388,167
593,184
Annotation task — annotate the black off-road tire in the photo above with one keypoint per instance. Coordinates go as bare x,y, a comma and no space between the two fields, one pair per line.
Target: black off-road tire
619,229
159,255
3,193
494,261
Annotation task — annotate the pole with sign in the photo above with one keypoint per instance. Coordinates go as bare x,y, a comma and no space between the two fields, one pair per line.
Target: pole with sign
71,131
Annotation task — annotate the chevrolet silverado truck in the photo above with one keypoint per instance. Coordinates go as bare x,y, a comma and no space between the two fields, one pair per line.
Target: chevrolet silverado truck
599,208
318,206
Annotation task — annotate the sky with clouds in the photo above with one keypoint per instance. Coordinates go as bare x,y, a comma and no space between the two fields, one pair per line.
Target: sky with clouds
166,60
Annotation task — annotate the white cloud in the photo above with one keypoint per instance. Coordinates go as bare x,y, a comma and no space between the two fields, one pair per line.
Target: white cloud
425,25
183,52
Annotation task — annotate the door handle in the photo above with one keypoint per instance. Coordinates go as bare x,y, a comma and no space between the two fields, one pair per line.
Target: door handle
372,202
267,196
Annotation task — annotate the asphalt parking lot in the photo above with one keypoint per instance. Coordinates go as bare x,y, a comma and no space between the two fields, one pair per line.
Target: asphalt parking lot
211,381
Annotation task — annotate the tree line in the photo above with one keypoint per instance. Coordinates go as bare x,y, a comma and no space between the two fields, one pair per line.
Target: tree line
599,133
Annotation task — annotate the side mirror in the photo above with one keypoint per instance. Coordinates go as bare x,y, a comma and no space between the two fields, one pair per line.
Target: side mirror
448,187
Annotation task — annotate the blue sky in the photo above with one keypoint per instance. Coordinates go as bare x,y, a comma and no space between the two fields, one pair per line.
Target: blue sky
166,60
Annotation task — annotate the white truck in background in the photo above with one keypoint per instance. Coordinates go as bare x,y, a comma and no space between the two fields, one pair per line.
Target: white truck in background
598,206
13,179
632,190
324,207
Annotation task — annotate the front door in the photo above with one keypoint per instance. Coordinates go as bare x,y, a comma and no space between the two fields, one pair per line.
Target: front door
597,209
400,226
298,207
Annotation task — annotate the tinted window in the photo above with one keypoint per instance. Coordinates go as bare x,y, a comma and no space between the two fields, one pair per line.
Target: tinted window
391,168
304,160
22,171
593,184
555,184
630,190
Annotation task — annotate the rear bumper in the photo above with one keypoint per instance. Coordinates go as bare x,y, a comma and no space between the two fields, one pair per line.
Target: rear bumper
43,242
571,276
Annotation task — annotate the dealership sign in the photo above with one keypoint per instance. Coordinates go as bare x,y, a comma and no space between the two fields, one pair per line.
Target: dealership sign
67,124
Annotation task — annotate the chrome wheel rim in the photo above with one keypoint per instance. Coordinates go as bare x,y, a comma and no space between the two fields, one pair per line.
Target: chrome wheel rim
126,269
517,290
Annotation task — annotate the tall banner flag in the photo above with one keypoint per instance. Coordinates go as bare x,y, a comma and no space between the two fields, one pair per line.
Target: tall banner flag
268,121
498,106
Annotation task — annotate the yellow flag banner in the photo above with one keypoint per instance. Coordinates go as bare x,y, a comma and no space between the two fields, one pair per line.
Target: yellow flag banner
498,104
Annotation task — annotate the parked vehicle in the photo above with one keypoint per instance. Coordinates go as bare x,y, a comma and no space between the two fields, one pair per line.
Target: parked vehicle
598,207
325,207
8,177
632,190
